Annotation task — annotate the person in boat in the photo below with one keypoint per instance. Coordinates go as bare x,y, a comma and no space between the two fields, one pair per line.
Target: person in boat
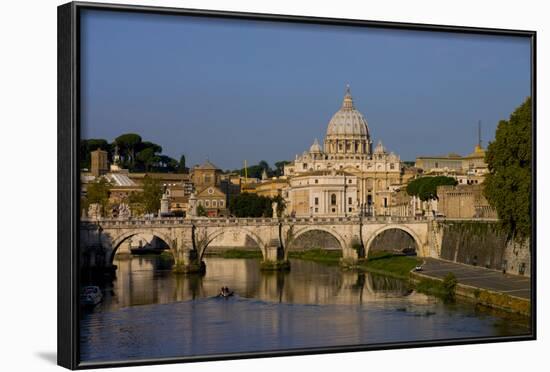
225,292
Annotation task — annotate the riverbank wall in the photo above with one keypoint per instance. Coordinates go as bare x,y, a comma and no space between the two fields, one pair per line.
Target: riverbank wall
480,243
482,296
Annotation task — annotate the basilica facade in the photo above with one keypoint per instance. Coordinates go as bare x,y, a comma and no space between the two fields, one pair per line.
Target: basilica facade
345,176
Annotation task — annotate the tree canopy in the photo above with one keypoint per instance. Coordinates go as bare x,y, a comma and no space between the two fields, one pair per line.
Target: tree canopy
136,155
508,184
148,200
426,187
89,145
181,165
98,193
279,167
250,205
256,171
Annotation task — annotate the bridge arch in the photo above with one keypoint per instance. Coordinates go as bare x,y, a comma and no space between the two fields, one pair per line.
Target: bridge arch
328,230
117,242
220,231
406,229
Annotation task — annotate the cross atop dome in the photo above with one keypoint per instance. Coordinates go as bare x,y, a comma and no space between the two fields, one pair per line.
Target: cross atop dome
348,100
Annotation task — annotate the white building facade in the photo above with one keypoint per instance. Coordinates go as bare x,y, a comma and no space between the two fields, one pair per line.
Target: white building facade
346,166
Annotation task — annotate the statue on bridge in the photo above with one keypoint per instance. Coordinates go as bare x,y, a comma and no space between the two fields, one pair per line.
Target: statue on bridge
124,211
94,211
192,211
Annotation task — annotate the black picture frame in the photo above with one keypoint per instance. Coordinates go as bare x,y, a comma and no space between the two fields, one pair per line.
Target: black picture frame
69,180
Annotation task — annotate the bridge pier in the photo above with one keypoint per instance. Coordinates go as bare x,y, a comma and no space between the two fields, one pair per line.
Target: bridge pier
188,261
274,258
351,258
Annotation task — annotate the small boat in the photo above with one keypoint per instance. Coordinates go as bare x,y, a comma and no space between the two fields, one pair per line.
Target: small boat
225,292
91,295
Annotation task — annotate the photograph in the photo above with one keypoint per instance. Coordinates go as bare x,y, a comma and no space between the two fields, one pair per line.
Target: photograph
258,185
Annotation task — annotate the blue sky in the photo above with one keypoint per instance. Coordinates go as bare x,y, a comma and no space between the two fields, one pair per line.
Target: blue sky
231,90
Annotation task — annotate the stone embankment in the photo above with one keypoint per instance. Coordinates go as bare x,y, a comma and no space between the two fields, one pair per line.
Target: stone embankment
487,287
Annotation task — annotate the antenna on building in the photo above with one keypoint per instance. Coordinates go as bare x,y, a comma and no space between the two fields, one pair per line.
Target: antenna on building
479,133
245,173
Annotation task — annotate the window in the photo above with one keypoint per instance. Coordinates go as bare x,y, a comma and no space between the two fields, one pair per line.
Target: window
316,210
392,166
304,166
333,200
207,178
385,202
221,203
349,210
317,181
214,203
207,203
333,210
350,181
316,201
349,200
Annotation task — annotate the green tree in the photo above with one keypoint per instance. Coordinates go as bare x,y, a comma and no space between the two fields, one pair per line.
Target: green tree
97,192
135,201
426,187
250,205
128,144
255,171
150,197
147,157
201,211
508,184
279,167
89,145
167,164
181,165
265,166
148,145
449,287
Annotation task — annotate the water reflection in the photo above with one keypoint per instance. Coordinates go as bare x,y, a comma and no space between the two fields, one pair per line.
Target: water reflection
148,312
144,280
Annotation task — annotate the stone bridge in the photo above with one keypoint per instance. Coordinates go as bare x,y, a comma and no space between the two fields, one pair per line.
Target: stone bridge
189,239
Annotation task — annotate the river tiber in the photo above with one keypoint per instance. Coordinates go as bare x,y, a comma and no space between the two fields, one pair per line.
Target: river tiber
343,244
